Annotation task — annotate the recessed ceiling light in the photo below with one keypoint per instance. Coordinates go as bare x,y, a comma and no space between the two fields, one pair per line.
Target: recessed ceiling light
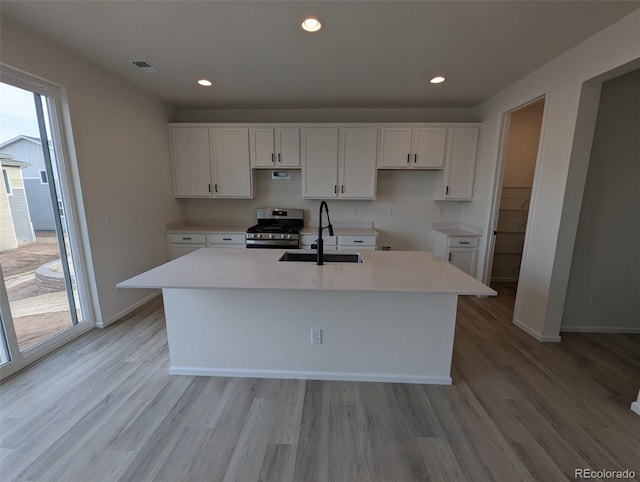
205,83
311,24
437,80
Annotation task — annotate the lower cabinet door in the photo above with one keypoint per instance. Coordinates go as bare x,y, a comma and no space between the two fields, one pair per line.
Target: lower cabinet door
464,259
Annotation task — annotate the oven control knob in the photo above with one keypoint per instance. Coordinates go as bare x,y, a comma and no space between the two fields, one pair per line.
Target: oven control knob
288,236
282,236
258,236
271,236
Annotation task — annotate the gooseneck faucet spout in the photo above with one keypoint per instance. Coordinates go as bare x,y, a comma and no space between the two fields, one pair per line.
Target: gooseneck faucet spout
319,242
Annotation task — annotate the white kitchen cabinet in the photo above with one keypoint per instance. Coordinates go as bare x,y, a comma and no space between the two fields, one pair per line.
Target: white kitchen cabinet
345,242
179,244
455,183
339,162
464,259
211,162
412,147
357,172
191,157
329,243
458,247
274,147
360,242
320,162
231,168
226,240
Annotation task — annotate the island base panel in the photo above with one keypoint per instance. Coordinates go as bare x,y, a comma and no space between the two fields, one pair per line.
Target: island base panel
366,336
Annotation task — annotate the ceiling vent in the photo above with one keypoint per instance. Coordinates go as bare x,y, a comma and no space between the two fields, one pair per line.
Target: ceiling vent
146,66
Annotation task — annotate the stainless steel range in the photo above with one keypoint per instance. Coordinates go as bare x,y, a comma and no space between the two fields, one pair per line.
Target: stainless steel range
276,228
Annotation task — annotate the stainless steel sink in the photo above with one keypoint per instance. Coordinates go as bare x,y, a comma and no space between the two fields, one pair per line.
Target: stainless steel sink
328,257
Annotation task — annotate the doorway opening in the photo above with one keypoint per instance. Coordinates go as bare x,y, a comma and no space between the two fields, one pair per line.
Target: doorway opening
522,128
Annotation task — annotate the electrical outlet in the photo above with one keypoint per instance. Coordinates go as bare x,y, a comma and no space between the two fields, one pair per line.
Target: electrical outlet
316,336
244,211
354,211
391,212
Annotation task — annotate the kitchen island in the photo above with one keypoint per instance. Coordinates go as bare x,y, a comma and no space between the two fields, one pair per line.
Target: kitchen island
244,313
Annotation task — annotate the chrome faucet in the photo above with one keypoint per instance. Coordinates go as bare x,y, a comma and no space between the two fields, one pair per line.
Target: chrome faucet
319,242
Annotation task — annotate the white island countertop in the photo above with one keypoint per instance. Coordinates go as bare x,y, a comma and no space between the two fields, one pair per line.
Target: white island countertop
399,271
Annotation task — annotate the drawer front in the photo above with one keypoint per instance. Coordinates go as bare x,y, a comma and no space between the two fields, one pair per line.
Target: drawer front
357,241
188,238
463,241
309,239
226,238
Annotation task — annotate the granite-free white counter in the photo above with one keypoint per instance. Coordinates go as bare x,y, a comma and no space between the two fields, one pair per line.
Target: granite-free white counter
391,271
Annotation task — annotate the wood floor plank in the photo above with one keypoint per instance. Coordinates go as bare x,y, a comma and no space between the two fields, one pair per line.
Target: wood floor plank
278,463
440,460
105,408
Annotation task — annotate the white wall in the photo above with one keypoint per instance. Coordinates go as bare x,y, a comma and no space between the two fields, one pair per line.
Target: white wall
606,258
122,151
567,133
409,193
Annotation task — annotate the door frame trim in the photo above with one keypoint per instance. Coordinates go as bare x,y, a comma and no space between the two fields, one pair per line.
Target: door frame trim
62,138
503,136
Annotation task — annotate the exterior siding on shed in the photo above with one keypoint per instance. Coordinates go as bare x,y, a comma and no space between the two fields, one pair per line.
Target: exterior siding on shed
21,222
39,205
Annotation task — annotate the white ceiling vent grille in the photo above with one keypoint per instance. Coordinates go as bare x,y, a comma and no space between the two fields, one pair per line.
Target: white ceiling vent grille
146,66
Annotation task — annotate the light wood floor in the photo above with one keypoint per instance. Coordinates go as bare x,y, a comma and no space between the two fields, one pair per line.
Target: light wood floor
104,408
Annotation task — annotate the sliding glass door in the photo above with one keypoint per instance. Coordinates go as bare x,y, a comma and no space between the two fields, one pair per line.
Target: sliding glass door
41,300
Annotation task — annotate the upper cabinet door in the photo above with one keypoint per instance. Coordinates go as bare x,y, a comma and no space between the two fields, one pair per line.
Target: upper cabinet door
191,161
395,147
358,153
232,169
460,165
262,148
287,147
320,162
429,145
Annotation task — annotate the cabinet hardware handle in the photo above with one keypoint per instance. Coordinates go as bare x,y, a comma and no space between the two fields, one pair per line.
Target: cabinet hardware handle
279,157
408,157
186,239
415,158
335,189
358,241
449,257
464,242
342,188
272,161
216,187
226,239
446,190
209,187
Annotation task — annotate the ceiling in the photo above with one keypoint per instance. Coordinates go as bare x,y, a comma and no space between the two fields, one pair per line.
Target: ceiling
368,53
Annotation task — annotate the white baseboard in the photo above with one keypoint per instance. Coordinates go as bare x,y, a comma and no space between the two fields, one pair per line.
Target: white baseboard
635,406
538,336
309,375
600,329
126,311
